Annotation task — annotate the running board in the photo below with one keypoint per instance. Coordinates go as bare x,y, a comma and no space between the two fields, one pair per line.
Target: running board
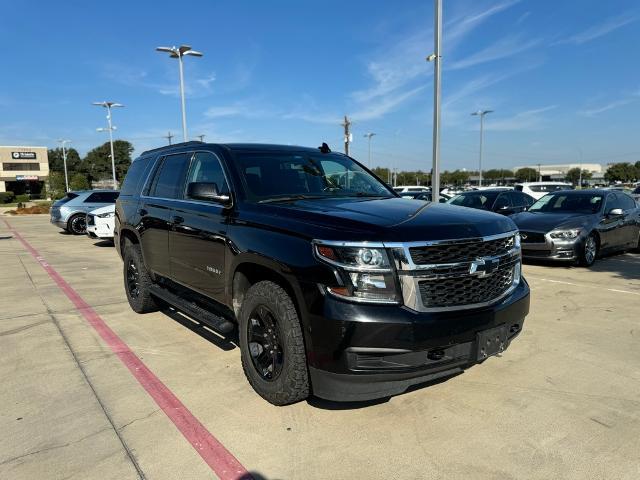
212,320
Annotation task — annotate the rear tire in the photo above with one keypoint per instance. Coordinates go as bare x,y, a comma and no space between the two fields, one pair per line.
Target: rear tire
589,251
77,224
137,281
272,346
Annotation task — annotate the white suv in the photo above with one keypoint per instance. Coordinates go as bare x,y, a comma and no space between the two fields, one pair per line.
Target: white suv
400,189
100,222
539,189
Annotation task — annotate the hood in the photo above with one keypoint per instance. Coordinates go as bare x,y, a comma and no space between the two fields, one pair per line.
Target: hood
389,219
545,222
101,210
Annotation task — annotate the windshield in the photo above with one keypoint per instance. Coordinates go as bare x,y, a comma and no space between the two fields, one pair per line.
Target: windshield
568,203
481,200
293,175
550,188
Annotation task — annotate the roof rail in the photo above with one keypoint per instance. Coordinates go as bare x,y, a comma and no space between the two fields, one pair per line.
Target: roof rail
175,145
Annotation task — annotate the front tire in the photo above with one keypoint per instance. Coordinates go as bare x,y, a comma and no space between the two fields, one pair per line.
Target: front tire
77,224
589,251
272,346
137,281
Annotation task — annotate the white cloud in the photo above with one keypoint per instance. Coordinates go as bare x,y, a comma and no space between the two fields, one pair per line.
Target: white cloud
526,120
503,48
608,26
593,112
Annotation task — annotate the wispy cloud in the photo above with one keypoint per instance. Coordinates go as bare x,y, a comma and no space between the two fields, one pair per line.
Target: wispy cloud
593,112
522,17
503,48
526,120
596,31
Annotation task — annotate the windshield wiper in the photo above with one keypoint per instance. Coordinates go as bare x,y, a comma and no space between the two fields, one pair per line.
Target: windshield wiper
290,198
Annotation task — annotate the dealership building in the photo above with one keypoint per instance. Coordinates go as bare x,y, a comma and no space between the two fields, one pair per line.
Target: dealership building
23,169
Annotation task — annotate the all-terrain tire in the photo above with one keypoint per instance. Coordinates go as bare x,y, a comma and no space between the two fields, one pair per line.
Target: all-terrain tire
138,288
292,383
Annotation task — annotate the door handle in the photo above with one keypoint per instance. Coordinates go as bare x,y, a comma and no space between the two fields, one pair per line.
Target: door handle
143,212
177,220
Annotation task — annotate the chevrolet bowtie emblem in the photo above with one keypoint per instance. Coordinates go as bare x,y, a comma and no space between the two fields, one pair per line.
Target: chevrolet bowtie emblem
523,236
483,267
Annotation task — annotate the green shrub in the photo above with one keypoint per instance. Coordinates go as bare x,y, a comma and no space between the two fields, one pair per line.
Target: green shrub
22,198
6,197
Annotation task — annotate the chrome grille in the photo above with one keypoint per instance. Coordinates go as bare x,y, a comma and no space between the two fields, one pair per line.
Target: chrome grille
460,252
468,289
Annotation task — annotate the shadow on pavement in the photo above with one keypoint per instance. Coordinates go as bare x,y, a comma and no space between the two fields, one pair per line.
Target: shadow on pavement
623,265
104,243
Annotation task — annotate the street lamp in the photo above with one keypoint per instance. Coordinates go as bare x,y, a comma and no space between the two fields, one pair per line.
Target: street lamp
435,57
179,52
64,161
369,135
481,114
110,128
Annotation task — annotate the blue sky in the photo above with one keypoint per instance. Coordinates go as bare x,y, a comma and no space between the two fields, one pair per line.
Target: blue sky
560,75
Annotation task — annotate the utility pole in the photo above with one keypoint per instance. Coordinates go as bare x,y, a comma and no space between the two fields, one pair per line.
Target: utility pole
580,180
435,58
201,137
64,161
481,114
169,136
539,174
347,134
369,135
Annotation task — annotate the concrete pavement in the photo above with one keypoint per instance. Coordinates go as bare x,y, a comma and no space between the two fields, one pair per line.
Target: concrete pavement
562,402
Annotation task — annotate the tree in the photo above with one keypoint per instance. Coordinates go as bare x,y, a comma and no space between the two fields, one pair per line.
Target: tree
622,172
497,174
56,160
573,175
56,186
97,164
79,182
526,174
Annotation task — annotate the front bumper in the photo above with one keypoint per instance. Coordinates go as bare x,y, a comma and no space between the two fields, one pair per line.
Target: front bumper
100,230
363,352
561,250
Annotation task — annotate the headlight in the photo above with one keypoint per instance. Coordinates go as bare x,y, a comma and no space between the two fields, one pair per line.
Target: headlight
568,234
366,271
106,215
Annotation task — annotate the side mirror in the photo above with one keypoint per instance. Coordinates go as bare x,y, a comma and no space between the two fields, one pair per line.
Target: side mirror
206,191
615,212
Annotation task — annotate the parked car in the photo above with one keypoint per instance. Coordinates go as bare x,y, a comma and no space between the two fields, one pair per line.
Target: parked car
499,200
339,291
70,212
400,189
426,196
579,225
100,222
539,189
636,194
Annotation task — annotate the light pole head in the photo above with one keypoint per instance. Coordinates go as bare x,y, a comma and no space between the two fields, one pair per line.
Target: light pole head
482,113
176,52
108,104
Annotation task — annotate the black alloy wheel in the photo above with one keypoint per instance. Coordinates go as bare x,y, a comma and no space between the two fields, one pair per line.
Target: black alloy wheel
133,279
265,348
78,224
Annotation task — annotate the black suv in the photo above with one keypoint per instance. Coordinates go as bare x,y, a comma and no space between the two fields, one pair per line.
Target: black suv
333,284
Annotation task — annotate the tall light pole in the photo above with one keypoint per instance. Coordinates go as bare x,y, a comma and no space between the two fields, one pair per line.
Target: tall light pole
179,52
64,161
436,59
110,128
481,114
369,135
580,176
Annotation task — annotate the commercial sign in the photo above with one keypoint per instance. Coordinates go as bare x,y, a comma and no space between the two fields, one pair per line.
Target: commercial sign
23,155
26,178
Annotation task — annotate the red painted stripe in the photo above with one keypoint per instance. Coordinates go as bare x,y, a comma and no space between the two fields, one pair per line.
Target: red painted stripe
221,461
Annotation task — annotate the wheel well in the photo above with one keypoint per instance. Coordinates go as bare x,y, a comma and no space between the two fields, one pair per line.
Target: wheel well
248,274
124,236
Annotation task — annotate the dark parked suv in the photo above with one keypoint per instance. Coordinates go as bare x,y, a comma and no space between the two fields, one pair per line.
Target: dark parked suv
334,285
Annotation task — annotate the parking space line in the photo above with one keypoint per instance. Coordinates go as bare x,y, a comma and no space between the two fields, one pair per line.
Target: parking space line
562,282
214,453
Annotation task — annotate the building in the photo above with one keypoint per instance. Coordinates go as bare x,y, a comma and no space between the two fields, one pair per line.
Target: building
23,169
558,172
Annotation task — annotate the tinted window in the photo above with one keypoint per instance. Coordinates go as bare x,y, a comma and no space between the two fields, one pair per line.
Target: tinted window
169,179
102,197
132,180
518,188
62,201
549,188
502,201
520,199
482,200
636,191
626,201
206,168
586,203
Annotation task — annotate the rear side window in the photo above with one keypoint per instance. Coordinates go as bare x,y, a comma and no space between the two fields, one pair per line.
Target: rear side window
169,178
70,196
102,197
626,201
135,174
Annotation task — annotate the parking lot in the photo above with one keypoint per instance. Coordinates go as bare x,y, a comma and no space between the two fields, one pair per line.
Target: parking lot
78,401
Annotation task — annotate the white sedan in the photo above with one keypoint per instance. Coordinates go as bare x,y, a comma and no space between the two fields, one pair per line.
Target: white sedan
100,222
